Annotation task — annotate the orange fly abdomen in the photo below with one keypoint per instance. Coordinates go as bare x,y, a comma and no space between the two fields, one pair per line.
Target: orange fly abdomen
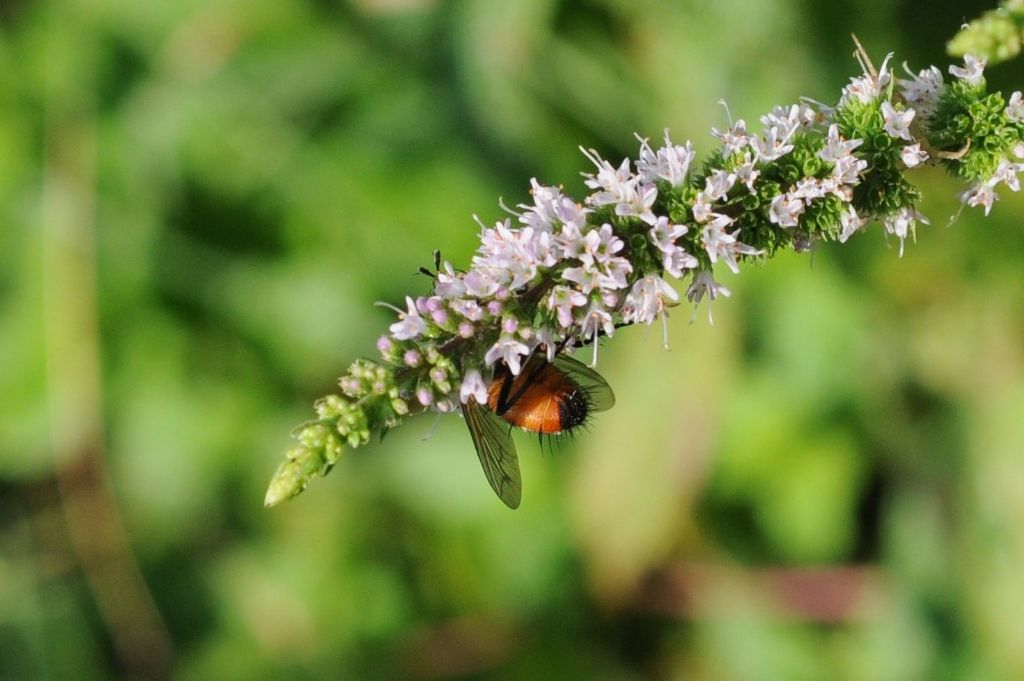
541,399
548,398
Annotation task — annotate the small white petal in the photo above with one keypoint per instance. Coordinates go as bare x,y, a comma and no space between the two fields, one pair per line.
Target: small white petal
473,386
972,71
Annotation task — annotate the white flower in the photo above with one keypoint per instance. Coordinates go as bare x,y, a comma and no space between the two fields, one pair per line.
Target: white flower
809,188
631,196
547,339
449,284
848,169
897,123
775,144
851,223
704,284
647,301
902,223
860,88
715,239
470,309
572,213
923,90
544,249
599,266
562,300
595,321
824,111
913,155
677,261
481,283
972,70
508,350
616,272
611,181
1018,150
670,163
981,194
599,245
747,173
410,324
867,88
718,184
664,235
588,278
550,207
832,185
805,115
720,245
495,239
701,208
673,258
570,241
789,119
836,147
733,138
541,215
591,279
1006,173
785,210
638,201
610,299
473,386
1015,107
507,254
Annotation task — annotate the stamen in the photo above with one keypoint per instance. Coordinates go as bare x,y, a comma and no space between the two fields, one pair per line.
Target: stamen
381,303
728,114
501,204
592,156
433,428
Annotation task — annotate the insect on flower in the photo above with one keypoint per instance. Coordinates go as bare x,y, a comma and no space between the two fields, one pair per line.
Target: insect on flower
558,274
547,398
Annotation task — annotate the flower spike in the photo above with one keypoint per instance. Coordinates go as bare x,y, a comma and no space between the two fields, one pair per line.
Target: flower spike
560,273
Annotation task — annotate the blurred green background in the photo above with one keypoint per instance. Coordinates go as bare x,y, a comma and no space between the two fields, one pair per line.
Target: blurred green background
200,201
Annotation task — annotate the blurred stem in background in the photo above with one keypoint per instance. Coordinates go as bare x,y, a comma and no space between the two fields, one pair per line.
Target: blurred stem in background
73,363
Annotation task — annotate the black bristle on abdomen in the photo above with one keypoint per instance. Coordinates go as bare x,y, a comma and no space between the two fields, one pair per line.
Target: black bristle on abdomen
573,410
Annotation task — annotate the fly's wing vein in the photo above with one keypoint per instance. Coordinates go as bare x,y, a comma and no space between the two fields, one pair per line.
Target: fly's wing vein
497,453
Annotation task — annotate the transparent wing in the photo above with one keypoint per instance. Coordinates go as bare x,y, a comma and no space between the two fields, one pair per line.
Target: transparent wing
497,452
597,389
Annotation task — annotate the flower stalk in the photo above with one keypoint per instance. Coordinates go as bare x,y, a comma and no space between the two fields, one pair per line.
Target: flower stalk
560,274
